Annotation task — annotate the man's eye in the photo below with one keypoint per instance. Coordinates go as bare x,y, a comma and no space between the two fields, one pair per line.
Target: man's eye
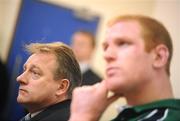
122,43
35,75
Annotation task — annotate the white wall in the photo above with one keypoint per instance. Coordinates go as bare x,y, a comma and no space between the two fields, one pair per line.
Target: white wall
167,11
8,15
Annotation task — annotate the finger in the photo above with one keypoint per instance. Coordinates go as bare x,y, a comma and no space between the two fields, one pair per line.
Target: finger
102,86
96,85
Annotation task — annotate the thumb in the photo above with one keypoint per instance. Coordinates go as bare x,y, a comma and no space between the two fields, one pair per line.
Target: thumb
110,99
101,88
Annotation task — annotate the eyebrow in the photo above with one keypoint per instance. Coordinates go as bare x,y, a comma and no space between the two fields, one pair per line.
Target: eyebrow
31,66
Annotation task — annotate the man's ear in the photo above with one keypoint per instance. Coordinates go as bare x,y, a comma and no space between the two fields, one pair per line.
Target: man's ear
63,86
161,55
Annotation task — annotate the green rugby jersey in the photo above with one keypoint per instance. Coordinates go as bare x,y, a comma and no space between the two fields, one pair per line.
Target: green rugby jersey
164,110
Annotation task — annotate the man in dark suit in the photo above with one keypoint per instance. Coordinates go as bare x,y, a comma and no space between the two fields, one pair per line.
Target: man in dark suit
50,74
83,44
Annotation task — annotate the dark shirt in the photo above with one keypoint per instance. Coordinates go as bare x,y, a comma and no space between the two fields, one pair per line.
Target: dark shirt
90,77
164,110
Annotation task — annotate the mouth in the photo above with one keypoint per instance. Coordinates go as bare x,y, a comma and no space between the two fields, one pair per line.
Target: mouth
110,71
22,90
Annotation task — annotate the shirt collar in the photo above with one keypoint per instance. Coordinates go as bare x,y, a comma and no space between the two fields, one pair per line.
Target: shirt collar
35,113
168,103
84,66
122,108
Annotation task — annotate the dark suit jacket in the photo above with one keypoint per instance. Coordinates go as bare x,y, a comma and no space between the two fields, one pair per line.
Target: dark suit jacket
57,112
4,88
90,77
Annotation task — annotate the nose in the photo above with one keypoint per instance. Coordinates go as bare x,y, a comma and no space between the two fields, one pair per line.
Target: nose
110,54
22,78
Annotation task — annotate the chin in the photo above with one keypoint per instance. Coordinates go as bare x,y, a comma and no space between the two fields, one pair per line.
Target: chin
117,88
20,99
113,88
113,81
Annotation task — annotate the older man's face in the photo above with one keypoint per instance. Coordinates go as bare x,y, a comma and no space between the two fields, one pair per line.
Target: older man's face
37,84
